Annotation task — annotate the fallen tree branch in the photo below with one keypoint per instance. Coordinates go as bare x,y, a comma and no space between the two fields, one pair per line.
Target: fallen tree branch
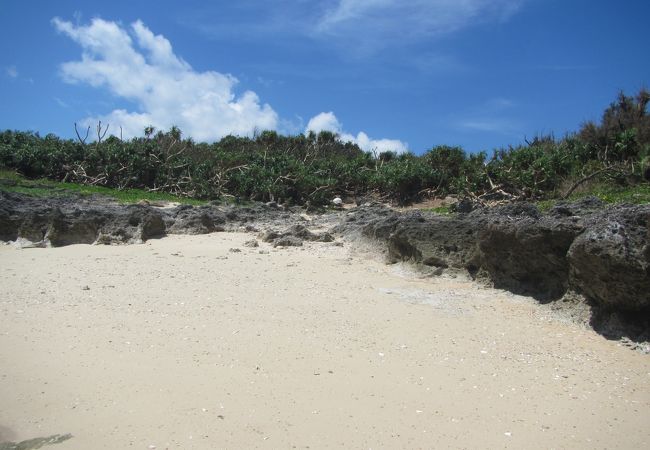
587,178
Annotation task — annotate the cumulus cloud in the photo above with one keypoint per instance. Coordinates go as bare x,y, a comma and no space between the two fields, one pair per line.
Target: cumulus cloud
141,67
327,121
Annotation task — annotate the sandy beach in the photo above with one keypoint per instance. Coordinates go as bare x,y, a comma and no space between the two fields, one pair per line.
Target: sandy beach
198,342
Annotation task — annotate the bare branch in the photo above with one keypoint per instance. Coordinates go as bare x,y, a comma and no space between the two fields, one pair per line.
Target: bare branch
82,141
101,135
589,177
320,188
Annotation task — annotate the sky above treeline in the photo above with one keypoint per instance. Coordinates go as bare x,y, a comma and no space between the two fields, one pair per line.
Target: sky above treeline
385,74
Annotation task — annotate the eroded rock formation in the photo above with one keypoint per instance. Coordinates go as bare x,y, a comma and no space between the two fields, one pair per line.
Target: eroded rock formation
599,252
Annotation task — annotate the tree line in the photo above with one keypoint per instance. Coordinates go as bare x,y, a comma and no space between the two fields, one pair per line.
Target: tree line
313,168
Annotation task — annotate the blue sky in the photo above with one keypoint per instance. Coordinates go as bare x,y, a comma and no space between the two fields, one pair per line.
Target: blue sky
386,74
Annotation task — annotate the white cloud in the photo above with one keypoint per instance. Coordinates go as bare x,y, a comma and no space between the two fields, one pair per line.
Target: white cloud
11,71
164,87
327,121
380,145
371,20
355,27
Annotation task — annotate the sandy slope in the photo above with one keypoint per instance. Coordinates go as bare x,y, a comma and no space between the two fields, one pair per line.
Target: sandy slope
181,343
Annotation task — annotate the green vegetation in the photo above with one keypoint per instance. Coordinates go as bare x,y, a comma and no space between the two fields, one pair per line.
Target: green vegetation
616,194
610,159
441,210
637,194
11,181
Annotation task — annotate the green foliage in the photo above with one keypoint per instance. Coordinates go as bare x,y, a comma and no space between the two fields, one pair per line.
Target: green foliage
638,194
624,131
621,194
11,181
313,168
441,210
402,179
455,172
532,170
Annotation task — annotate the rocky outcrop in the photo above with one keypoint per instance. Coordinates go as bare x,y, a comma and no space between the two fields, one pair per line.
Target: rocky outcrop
588,248
525,252
610,261
189,220
294,236
132,224
59,221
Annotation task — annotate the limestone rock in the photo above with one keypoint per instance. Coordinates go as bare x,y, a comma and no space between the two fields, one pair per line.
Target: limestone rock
610,261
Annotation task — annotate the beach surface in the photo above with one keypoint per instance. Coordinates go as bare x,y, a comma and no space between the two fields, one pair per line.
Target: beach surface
199,342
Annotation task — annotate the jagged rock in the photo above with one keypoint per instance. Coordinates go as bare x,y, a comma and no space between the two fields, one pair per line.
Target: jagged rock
445,242
434,241
287,241
201,220
24,219
65,221
525,253
464,206
585,206
598,251
77,227
130,224
610,261
382,228
370,220
269,236
257,216
61,221
324,237
293,235
300,231
251,243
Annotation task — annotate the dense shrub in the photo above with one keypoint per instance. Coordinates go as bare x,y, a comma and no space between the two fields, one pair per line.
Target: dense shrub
313,168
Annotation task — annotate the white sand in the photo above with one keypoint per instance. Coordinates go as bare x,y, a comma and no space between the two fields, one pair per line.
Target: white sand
180,343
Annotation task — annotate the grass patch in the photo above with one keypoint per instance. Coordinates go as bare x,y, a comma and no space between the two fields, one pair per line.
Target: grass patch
639,194
438,210
11,181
